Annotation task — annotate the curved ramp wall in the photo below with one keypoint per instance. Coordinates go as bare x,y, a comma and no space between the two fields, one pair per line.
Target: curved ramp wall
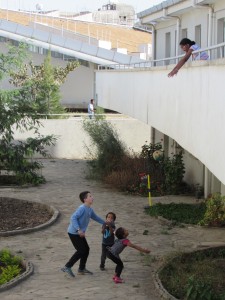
188,107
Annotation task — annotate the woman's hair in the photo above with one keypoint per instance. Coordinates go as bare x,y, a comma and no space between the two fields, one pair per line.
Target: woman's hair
120,233
111,213
83,195
186,41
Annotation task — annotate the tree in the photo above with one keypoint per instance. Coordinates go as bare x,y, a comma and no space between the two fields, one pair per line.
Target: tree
43,84
20,109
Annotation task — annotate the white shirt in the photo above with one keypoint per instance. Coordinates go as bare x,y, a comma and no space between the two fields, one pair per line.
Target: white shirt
91,108
199,56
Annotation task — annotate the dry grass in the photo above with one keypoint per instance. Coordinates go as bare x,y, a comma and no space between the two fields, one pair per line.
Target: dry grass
120,37
127,175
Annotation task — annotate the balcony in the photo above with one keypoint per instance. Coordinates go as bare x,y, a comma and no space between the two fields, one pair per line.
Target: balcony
188,107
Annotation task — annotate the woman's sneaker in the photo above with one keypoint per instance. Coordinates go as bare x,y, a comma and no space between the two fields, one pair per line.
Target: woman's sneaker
118,280
68,271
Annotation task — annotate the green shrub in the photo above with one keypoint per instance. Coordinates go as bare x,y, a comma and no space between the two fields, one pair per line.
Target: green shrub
8,273
179,212
166,173
7,258
10,266
111,162
215,211
99,113
198,290
174,170
109,150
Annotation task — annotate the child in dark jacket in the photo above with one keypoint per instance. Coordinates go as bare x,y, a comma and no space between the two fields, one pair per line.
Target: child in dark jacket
108,238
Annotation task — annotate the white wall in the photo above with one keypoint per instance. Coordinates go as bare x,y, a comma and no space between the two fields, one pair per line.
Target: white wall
189,107
73,140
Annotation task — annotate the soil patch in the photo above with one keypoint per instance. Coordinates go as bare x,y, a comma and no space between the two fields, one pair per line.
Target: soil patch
19,214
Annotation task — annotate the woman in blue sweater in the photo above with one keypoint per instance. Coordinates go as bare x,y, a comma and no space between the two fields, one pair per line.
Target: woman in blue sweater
78,225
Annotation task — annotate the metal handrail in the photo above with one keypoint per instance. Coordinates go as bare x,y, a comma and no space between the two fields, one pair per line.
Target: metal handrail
220,53
85,115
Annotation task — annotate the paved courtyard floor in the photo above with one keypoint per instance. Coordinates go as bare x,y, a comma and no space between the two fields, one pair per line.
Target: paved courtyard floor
50,248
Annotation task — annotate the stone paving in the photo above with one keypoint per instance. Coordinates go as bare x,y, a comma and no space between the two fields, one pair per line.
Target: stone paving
50,248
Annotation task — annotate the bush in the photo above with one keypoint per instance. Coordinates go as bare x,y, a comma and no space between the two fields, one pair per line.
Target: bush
7,258
126,177
111,162
10,266
215,211
166,173
180,212
109,150
173,173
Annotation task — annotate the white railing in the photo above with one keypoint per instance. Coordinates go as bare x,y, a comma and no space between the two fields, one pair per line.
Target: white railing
214,52
83,115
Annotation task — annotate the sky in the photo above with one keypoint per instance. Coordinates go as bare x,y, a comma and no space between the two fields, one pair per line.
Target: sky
73,5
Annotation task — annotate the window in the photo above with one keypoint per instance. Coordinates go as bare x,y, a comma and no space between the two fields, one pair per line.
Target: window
168,47
176,43
198,35
184,33
220,36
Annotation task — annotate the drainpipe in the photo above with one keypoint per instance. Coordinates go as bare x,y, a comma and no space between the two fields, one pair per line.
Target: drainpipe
153,43
178,36
210,26
207,183
178,30
152,135
211,11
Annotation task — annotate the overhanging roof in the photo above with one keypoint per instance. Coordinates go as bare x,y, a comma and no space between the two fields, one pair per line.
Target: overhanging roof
170,8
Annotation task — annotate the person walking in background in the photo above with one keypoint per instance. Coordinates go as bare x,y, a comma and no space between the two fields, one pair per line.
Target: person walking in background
77,228
188,46
108,238
91,109
119,245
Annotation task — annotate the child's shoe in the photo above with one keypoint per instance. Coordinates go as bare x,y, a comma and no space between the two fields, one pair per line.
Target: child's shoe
68,271
118,280
84,272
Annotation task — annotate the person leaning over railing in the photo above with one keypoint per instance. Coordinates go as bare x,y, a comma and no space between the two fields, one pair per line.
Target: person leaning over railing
188,46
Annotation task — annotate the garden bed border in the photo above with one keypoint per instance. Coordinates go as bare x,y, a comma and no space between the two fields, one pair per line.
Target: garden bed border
50,208
158,284
29,271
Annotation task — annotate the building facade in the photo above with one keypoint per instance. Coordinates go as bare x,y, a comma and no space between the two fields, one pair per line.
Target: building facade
184,112
200,20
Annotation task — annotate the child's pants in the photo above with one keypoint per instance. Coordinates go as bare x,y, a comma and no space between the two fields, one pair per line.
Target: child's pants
103,256
81,245
117,261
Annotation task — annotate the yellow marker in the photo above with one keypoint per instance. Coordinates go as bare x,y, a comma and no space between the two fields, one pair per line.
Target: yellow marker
149,192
